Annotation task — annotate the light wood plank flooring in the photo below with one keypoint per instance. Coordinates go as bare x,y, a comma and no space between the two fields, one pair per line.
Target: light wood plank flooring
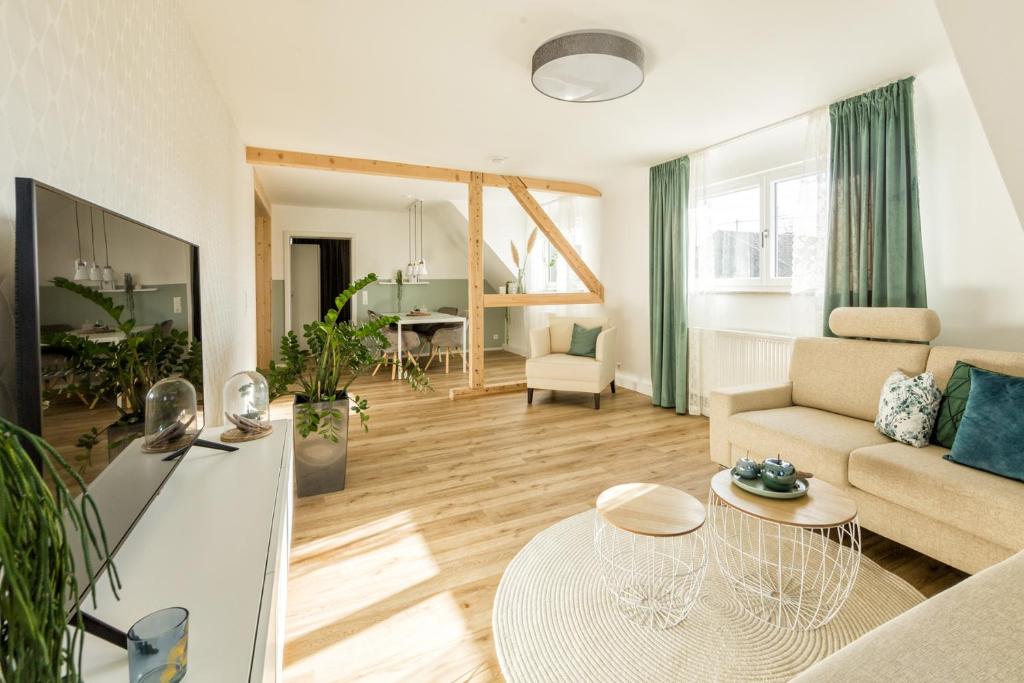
394,578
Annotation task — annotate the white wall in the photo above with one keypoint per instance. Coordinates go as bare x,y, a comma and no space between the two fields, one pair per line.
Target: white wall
973,242
380,239
111,101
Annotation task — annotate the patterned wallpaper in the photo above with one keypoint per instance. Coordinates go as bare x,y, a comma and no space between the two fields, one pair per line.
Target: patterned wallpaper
111,100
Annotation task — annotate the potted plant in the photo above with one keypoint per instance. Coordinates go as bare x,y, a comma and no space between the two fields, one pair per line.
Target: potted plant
319,377
119,374
37,569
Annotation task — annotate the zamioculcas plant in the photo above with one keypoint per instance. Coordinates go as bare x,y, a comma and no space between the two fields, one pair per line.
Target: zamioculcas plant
37,570
338,352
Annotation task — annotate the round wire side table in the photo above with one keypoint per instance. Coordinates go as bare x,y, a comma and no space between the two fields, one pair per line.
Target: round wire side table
652,551
789,563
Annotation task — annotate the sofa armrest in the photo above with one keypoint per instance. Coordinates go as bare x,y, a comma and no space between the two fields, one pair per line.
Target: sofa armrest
540,342
728,402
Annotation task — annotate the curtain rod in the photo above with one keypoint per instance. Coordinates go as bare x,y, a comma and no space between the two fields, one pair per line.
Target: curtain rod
786,120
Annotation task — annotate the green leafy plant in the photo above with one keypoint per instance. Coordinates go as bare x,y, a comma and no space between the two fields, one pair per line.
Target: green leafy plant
119,374
86,442
338,352
399,287
37,569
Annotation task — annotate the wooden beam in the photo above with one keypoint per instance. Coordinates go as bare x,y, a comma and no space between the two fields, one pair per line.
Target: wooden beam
486,390
264,334
541,299
263,206
536,212
324,162
475,276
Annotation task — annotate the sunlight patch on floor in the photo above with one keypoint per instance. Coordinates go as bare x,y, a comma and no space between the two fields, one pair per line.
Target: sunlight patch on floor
354,564
428,637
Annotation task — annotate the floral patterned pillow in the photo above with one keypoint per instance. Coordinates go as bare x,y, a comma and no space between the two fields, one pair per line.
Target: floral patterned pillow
908,408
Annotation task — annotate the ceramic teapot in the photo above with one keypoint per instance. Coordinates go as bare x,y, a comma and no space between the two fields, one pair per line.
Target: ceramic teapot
778,475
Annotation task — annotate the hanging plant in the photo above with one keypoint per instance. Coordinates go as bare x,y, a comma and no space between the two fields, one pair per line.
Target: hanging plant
37,569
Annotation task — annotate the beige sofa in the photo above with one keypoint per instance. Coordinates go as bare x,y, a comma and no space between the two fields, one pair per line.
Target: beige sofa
970,632
550,367
822,421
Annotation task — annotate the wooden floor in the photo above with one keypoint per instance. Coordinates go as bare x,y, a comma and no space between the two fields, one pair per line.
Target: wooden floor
394,578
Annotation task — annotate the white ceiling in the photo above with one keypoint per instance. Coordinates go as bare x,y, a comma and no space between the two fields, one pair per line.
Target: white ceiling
448,83
301,187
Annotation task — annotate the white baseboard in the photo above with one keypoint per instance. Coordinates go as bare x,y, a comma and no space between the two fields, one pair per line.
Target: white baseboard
630,381
518,350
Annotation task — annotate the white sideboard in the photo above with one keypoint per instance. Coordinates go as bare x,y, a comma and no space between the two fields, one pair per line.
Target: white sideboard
215,540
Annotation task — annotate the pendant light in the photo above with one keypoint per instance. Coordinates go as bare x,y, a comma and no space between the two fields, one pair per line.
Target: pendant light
410,267
81,267
108,272
95,273
421,265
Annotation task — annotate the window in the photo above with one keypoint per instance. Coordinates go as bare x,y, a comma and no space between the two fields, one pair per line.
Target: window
750,225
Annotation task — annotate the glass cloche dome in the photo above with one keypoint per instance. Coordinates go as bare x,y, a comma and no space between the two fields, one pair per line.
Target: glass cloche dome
171,420
247,405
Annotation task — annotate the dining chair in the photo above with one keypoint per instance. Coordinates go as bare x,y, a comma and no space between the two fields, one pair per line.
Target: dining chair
389,354
447,337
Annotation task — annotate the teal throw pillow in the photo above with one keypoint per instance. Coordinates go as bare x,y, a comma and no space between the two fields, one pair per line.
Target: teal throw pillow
991,433
584,341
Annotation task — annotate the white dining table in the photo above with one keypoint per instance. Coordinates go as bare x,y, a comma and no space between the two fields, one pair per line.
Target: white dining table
432,318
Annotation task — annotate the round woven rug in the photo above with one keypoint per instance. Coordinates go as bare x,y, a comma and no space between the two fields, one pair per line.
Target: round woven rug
553,622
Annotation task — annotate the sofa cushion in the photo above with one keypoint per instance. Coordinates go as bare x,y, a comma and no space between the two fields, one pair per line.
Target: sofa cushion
560,328
813,440
907,409
991,434
845,376
921,480
942,360
563,366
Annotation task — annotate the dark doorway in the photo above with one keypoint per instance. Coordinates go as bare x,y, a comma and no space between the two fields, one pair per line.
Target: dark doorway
335,271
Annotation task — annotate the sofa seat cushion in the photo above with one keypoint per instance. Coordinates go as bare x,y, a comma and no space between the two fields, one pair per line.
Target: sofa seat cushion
564,366
920,479
814,440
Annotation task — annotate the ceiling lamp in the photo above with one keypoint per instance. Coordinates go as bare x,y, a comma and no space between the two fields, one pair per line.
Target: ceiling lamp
588,66
81,271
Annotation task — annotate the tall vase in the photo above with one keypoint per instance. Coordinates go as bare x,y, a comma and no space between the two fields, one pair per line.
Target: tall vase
320,462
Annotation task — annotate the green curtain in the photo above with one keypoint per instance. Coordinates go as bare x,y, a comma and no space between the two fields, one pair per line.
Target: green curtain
670,184
875,256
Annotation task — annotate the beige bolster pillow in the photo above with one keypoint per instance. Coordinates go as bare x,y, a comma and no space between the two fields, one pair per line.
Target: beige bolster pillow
903,324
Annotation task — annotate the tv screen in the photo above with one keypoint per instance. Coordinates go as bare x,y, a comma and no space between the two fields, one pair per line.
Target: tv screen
105,306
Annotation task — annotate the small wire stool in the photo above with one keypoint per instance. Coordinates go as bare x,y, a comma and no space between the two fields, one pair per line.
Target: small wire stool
795,577
652,551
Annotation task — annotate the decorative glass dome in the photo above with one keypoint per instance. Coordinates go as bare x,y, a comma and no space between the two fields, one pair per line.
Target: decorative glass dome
247,406
171,420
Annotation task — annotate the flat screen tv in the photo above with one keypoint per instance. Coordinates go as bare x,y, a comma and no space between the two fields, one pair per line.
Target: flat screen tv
69,389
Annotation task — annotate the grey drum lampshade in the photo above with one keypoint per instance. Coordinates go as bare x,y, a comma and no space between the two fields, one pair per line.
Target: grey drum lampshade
588,66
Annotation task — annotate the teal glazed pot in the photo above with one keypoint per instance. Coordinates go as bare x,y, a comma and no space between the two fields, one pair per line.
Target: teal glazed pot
778,475
747,468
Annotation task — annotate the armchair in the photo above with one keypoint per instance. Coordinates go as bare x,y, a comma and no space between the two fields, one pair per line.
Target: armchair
550,367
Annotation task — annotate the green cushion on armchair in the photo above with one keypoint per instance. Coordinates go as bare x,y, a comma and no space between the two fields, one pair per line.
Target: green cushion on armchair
584,341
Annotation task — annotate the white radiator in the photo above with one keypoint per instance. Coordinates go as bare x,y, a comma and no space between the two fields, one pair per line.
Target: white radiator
727,358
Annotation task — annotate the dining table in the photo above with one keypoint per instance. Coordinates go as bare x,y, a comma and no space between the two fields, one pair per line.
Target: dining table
429,318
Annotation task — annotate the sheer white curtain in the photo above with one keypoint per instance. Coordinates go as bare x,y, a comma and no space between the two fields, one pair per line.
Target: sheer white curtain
810,237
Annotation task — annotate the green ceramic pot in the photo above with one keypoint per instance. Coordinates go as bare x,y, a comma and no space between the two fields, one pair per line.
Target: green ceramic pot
747,468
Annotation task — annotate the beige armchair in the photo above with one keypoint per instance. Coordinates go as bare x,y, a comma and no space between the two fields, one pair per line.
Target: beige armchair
550,367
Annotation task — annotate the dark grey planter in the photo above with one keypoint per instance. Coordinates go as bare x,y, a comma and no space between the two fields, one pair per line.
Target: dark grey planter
319,462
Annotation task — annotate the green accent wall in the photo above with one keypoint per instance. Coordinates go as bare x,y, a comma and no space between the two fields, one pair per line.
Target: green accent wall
381,298
60,307
432,296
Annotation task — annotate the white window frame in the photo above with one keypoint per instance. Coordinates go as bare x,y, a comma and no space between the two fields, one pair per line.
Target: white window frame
765,182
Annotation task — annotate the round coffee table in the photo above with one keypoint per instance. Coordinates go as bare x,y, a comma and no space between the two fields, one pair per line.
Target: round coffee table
790,563
653,555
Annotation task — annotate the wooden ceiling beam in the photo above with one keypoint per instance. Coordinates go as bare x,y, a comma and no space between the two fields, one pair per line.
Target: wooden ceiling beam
540,299
395,169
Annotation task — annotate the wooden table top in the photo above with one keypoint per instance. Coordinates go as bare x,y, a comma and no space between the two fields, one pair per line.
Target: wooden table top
823,506
651,509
